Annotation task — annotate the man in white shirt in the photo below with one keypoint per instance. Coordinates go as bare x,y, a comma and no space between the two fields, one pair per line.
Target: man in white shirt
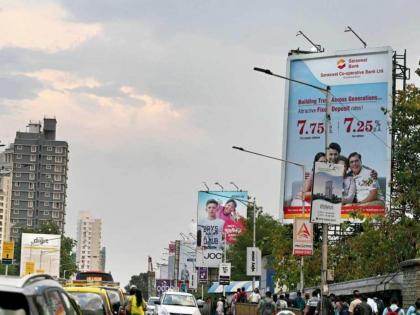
371,302
254,297
212,227
367,188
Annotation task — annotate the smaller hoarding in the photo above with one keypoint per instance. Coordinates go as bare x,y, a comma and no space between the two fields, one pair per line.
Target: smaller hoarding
302,237
224,273
327,193
253,261
187,257
209,258
8,252
203,274
163,285
193,280
43,250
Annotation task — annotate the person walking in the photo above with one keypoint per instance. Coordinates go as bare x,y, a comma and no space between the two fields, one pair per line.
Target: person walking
393,309
299,302
136,305
254,297
357,299
312,304
414,309
266,305
281,303
220,307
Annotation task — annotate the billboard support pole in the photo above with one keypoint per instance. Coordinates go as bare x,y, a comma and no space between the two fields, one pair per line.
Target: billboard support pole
253,239
325,225
303,215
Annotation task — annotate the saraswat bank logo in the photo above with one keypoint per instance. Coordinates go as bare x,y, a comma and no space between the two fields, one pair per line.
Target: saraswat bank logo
341,63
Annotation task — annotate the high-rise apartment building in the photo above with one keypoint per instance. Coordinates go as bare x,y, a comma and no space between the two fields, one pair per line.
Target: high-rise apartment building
5,198
39,177
88,254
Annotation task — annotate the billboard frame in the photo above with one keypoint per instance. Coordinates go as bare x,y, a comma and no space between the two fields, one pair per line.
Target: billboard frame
337,53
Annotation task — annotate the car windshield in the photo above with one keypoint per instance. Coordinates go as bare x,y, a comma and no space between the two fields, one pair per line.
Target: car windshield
178,299
90,303
152,301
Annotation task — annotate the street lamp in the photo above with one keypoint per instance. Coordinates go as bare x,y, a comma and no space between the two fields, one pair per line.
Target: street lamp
303,199
327,91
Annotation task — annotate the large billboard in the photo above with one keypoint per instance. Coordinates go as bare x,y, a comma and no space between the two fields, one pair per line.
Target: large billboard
40,253
359,137
186,260
220,215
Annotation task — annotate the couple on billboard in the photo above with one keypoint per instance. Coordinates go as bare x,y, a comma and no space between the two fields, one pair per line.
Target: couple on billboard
220,222
360,182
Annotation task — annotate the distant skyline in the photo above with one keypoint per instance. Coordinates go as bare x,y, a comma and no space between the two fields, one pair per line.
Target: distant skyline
151,95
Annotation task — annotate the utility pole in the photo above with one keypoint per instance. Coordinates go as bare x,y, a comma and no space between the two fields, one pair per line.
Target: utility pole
254,237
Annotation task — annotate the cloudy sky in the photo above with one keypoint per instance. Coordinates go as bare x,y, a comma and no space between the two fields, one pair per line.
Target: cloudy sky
151,95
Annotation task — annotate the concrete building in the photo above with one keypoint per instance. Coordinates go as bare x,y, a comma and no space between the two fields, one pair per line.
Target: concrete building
5,198
88,254
39,177
103,258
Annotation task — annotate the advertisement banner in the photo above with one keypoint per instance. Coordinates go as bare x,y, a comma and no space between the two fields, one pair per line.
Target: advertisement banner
224,273
193,280
40,252
209,258
359,138
253,261
327,193
163,285
220,215
8,252
203,275
186,260
302,237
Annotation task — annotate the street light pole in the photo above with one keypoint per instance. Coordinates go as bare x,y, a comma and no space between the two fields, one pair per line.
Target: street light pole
303,201
254,237
327,92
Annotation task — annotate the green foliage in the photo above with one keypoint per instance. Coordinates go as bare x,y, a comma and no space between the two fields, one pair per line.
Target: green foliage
406,168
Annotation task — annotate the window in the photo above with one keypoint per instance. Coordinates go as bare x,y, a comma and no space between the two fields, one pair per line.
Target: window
48,166
30,213
56,196
30,222
18,165
57,168
15,212
47,185
46,194
55,214
31,186
15,230
17,193
30,194
58,150
70,306
58,159
33,158
19,147
48,176
17,174
17,184
33,148
19,156
49,158
16,202
54,302
57,178
49,148
30,204
31,176
46,213
57,187
46,203
32,167
56,205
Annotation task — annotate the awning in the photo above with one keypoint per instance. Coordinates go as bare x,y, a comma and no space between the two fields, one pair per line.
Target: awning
232,287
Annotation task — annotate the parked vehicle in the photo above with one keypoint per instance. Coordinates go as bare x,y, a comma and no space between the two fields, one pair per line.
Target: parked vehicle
36,294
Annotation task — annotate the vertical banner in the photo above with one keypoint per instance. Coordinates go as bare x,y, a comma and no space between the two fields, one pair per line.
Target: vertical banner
203,275
186,260
253,261
176,261
40,252
220,219
193,280
224,273
361,88
302,237
327,193
8,252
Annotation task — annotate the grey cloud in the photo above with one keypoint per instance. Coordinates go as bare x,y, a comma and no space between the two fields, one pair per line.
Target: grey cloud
18,87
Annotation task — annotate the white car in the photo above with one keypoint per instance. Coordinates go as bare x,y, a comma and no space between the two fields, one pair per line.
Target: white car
177,303
151,304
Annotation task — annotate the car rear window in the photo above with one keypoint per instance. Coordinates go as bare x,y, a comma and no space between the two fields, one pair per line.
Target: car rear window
90,303
13,304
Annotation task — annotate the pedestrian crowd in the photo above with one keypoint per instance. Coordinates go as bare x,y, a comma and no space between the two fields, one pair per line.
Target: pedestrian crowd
308,304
